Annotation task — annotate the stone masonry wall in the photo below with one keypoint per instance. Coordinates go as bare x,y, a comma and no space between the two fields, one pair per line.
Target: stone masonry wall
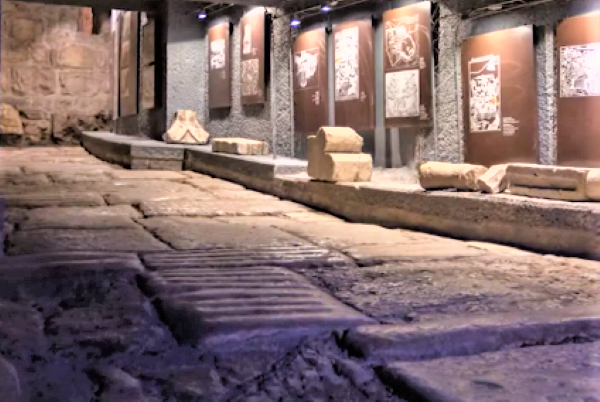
54,71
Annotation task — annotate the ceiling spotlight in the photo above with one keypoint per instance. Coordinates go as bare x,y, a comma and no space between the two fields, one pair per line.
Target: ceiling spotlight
295,22
326,8
495,7
202,15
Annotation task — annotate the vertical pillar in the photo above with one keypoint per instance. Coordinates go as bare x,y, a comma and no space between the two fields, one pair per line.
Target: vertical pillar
280,87
545,59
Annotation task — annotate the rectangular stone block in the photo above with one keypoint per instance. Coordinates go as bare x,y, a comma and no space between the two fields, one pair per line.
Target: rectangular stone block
551,182
340,167
240,146
494,180
338,139
442,175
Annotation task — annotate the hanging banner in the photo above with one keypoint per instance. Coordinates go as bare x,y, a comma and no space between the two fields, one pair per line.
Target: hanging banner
310,81
407,65
500,97
253,51
578,40
354,74
128,64
219,66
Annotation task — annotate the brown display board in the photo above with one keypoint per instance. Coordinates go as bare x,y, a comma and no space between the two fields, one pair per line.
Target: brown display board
148,61
219,66
253,51
578,136
310,81
407,66
500,97
128,64
354,78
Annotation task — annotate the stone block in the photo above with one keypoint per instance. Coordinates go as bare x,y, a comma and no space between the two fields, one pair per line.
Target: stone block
77,56
186,129
338,139
240,146
551,182
592,185
442,175
10,120
494,180
33,81
340,167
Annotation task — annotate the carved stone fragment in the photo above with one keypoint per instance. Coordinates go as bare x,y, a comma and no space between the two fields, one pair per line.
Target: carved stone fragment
240,146
185,129
442,175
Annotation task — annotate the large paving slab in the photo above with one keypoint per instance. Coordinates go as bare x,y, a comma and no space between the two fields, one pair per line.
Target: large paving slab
431,289
66,221
47,199
24,179
147,175
257,307
57,240
137,195
187,207
73,213
208,183
535,374
462,336
84,177
186,233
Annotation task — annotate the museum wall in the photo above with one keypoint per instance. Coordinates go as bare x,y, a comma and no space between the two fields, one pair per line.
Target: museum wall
149,121
448,145
55,73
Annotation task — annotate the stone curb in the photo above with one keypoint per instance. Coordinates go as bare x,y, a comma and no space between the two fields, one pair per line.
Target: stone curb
473,335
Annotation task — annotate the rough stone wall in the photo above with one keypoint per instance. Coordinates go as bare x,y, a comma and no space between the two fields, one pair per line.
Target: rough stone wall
57,77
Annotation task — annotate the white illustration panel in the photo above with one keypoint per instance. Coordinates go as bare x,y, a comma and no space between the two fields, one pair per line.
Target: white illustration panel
217,54
247,46
402,94
250,77
484,94
401,42
347,78
307,65
580,70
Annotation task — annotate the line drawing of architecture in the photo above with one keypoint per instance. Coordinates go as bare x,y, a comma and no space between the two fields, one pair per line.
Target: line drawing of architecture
347,73
580,70
402,94
401,42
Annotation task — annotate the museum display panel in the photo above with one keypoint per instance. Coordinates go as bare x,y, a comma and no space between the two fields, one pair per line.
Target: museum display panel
500,97
354,77
219,66
578,134
128,64
253,49
148,61
310,81
407,66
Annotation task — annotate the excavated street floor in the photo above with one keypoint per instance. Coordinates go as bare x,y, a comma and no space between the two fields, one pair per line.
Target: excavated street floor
121,285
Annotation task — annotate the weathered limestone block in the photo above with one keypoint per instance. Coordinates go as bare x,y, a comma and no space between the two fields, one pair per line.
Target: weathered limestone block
338,139
592,185
552,182
240,146
185,129
442,175
494,180
341,167
10,120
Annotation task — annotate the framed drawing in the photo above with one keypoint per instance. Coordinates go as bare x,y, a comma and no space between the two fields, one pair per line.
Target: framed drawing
253,53
219,66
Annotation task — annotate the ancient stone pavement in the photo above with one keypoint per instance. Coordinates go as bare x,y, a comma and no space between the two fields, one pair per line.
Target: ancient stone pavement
123,285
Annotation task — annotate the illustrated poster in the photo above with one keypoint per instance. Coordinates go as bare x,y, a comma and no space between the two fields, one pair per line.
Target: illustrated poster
354,77
580,70
407,66
253,51
219,67
485,94
310,81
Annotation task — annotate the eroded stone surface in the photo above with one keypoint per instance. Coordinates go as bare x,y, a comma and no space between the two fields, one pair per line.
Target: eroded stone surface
442,175
543,373
186,129
187,207
552,182
42,200
240,146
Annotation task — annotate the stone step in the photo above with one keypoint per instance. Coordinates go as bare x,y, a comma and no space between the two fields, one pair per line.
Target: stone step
268,306
296,257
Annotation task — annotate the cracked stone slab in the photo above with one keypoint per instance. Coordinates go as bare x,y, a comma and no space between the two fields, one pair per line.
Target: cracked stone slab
309,217
42,200
542,373
428,290
71,177
134,196
55,240
49,168
72,213
217,208
146,175
301,256
436,249
209,183
262,308
461,336
242,194
186,233
68,221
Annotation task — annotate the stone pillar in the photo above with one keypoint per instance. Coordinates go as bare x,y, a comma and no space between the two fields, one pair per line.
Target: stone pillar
546,59
280,87
185,60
